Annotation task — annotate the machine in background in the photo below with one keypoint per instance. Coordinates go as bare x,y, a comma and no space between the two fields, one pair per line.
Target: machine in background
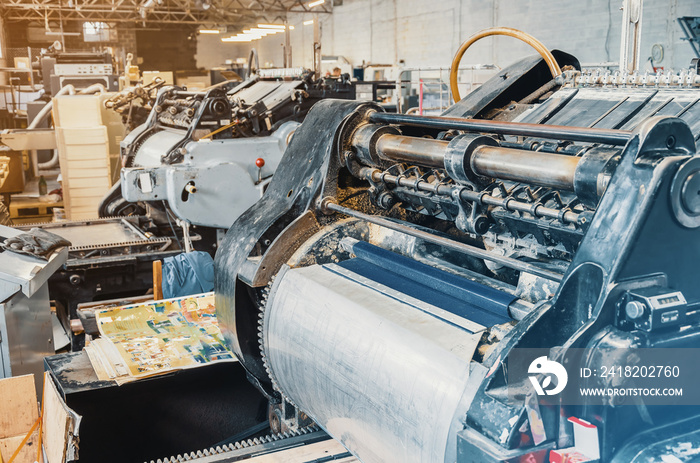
135,103
79,69
192,149
196,145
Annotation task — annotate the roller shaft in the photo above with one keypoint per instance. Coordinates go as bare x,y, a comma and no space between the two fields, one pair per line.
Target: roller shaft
422,151
582,134
545,169
448,243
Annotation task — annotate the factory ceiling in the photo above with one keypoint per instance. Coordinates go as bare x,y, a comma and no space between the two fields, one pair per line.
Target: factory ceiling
220,13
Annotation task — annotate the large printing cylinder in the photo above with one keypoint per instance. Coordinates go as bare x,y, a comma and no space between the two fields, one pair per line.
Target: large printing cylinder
474,158
380,371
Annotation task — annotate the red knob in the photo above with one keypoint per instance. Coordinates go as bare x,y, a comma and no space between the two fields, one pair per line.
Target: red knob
260,162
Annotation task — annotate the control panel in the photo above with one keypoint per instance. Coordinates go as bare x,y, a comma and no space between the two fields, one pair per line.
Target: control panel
77,69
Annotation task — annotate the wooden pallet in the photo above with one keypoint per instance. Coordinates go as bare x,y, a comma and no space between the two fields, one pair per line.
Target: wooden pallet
31,210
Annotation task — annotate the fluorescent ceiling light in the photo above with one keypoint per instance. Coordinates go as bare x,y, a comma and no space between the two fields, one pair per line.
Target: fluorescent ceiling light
239,39
261,32
209,31
310,21
316,3
291,28
271,26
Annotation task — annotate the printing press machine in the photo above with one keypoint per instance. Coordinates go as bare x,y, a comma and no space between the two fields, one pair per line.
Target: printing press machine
194,145
383,288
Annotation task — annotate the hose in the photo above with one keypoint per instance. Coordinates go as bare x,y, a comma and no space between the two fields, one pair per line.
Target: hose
41,115
509,32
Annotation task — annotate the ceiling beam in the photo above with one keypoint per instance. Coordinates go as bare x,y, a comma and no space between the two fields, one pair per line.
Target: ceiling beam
235,13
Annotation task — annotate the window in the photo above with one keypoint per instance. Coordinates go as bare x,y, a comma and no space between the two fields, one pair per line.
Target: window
98,32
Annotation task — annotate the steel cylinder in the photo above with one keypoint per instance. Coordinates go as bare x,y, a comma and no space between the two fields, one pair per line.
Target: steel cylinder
478,157
537,168
422,151
385,378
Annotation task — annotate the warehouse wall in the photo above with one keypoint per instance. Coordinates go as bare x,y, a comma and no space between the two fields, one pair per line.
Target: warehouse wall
428,32
167,50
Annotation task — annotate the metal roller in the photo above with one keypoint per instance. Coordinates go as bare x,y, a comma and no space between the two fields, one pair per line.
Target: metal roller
382,376
544,169
470,157
583,134
423,151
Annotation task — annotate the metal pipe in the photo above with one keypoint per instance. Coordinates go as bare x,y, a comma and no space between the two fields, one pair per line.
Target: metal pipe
549,170
451,244
423,151
582,134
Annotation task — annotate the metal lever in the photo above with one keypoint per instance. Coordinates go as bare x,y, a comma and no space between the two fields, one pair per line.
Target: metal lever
260,162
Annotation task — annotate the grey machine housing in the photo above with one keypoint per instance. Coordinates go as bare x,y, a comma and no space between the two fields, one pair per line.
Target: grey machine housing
210,187
26,333
198,150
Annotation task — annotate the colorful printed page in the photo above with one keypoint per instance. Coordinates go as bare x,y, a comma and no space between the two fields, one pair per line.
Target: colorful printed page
158,336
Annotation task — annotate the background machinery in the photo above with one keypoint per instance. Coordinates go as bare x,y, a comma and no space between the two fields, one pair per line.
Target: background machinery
196,145
199,160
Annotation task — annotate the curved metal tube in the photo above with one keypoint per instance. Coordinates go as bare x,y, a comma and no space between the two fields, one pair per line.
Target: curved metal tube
507,31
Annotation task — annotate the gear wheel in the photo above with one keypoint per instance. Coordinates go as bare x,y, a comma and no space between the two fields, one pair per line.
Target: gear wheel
244,444
262,318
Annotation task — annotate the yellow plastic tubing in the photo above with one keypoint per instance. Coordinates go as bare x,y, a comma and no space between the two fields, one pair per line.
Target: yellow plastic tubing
507,31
